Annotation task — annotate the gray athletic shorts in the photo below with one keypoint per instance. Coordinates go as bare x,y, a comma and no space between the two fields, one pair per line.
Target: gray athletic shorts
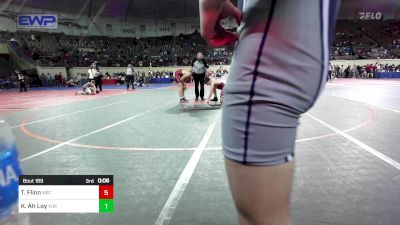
275,76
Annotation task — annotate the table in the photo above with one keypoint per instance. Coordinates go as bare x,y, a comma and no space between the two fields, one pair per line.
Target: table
160,80
388,75
109,81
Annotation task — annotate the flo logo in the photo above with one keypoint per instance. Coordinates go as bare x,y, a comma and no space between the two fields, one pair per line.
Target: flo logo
370,15
47,21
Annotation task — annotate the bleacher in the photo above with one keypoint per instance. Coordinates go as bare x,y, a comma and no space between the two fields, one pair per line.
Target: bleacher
353,40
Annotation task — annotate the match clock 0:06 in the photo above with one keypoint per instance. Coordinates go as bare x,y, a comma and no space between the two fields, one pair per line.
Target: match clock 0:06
104,180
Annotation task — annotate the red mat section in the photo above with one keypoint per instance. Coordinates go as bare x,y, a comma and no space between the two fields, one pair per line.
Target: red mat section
13,101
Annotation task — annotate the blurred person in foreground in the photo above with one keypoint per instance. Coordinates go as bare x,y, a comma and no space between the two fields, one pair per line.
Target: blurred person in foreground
266,93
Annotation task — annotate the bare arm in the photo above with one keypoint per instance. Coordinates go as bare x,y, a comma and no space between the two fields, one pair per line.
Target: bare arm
211,12
231,10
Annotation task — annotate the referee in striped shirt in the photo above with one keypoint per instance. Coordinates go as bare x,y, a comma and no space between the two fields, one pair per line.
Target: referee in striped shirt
200,67
130,77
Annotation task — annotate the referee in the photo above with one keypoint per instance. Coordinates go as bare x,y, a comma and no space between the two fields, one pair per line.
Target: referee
22,81
200,66
99,79
94,74
130,77
90,73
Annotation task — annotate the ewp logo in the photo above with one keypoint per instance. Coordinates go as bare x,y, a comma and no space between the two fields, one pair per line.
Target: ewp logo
48,21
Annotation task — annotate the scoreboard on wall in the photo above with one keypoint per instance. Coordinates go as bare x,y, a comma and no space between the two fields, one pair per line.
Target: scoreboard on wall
66,194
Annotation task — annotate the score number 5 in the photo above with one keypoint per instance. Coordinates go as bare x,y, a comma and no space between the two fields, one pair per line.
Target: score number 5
106,192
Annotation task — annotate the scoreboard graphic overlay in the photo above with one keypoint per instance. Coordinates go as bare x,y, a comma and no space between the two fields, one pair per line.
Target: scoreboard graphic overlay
66,194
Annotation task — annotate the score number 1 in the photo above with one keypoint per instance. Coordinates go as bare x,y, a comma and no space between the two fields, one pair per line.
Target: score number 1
106,198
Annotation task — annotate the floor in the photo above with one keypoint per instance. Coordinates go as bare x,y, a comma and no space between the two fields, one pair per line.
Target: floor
167,161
